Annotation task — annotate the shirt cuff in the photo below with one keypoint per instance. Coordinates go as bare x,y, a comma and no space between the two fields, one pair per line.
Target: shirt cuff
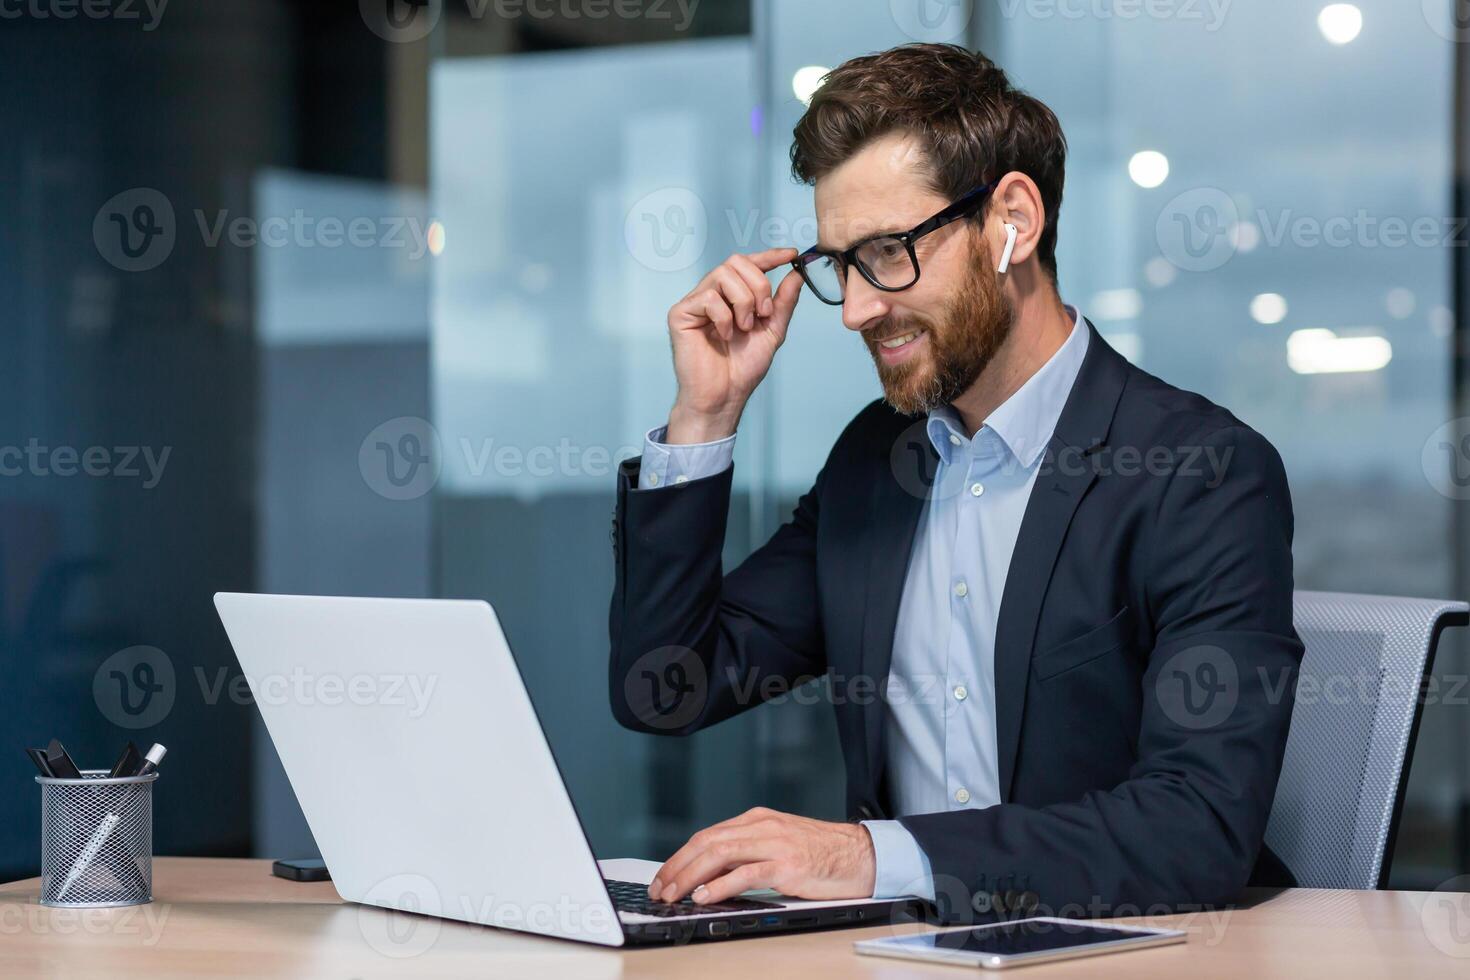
902,866
664,465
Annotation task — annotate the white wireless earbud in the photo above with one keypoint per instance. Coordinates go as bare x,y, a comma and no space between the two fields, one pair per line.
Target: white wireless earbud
1005,256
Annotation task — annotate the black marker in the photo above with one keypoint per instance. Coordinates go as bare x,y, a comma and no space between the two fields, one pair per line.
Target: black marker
151,760
39,758
127,763
60,762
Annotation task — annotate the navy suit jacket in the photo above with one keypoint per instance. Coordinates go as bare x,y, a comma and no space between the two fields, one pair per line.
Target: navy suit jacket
1144,652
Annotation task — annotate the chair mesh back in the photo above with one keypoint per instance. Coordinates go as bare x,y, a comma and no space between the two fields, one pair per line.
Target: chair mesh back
1356,702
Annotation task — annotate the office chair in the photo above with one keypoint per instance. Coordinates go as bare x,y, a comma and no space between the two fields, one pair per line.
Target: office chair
1356,717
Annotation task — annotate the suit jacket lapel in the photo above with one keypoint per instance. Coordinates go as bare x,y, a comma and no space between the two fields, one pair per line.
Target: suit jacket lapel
1067,471
907,468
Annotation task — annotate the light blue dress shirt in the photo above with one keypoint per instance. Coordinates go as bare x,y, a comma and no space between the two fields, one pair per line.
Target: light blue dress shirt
941,741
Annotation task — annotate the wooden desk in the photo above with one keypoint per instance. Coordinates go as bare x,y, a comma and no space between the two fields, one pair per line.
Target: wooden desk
215,917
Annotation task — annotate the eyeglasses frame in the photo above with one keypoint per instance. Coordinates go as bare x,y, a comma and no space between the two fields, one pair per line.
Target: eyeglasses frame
847,258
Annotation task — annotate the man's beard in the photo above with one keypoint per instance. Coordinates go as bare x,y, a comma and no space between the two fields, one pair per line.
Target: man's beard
962,342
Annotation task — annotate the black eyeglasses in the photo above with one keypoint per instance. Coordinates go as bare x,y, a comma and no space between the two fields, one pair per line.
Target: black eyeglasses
887,261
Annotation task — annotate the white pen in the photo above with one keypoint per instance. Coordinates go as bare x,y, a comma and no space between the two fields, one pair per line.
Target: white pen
99,837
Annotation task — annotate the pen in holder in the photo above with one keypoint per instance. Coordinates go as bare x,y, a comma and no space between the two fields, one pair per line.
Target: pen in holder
97,840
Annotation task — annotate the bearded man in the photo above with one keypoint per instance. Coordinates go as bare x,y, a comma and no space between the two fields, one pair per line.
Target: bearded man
1050,593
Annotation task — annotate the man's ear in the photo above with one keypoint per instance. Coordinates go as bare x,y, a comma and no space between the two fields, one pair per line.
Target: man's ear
1016,201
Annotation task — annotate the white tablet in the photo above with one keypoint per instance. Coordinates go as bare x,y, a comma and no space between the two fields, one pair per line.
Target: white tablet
1018,943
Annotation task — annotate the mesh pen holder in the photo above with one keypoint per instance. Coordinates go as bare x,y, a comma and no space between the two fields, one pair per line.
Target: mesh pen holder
96,840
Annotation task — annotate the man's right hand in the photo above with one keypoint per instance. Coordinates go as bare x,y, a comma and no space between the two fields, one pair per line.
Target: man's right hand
724,335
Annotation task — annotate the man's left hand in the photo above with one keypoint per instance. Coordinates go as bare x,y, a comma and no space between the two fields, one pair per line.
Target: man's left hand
764,848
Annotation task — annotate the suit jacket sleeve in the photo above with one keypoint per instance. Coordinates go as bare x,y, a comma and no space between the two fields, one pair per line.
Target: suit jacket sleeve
1184,829
690,645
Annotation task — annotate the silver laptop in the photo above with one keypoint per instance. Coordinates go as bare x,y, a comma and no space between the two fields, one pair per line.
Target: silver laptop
417,757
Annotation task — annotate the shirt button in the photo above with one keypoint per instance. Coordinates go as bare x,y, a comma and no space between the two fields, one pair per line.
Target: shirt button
960,693
962,795
681,478
954,440
961,589
976,489
653,479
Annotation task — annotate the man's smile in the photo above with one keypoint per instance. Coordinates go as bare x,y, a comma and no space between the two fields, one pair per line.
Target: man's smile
895,350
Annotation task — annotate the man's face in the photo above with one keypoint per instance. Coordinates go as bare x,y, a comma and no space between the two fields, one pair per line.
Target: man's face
929,341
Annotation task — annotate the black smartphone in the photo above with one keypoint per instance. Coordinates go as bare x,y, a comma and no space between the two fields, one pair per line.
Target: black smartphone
301,869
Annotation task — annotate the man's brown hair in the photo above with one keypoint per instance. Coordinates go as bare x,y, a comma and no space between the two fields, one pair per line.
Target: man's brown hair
971,123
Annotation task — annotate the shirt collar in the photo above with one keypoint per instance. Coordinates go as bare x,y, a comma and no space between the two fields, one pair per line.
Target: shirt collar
1024,423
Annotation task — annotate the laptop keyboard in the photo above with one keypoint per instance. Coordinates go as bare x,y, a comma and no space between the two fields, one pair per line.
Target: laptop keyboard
628,896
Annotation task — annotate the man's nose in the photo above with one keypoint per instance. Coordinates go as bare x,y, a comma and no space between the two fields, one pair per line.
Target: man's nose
862,302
